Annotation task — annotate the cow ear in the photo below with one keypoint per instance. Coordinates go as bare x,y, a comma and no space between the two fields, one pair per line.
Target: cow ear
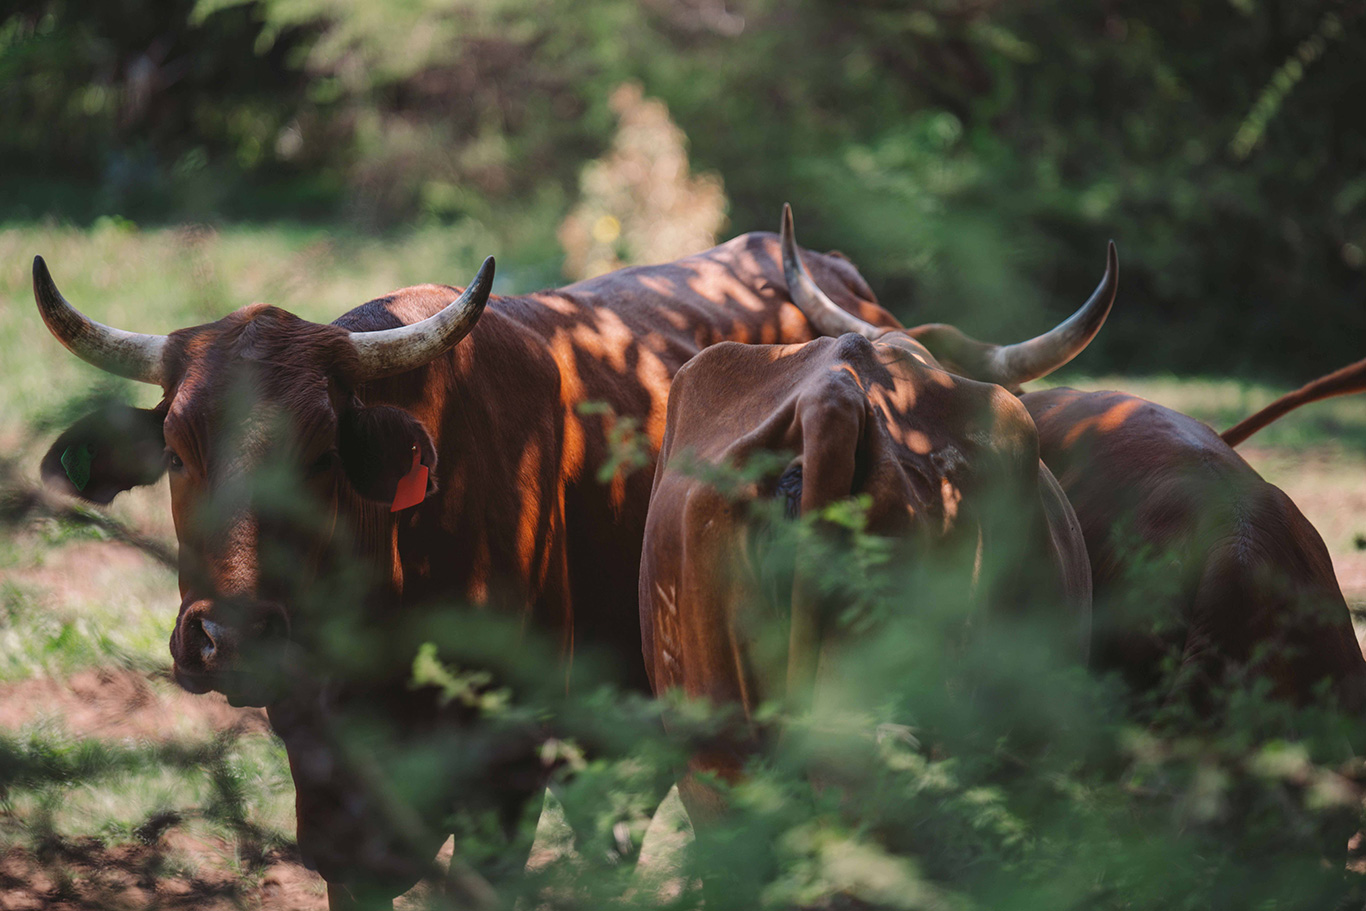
110,450
376,446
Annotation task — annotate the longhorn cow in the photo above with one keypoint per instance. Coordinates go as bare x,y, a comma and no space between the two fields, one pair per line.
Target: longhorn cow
437,438
1248,585
946,461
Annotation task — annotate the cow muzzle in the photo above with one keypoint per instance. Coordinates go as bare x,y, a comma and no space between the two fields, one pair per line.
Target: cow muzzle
237,648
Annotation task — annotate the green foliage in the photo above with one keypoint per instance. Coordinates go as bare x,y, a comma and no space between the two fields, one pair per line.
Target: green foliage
628,444
469,688
135,101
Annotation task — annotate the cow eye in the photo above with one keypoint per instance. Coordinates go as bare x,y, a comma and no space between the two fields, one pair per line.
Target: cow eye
324,463
173,461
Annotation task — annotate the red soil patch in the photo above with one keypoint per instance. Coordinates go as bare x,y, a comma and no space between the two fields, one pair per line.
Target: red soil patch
207,874
117,704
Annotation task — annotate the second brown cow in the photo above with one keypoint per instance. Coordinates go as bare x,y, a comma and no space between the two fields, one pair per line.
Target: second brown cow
947,465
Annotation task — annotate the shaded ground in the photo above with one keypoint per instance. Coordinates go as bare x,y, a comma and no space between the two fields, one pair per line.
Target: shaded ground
176,872
163,866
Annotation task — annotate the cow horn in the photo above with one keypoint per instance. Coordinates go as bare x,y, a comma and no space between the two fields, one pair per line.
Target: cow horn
824,314
386,352
1011,365
1040,356
127,354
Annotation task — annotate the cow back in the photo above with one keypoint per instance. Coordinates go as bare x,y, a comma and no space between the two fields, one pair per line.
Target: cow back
1193,552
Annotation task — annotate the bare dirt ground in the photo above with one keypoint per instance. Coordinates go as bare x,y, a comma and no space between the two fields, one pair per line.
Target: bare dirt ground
171,869
110,703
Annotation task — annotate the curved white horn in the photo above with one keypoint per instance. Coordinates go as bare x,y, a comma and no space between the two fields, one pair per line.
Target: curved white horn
127,354
1040,356
824,314
386,352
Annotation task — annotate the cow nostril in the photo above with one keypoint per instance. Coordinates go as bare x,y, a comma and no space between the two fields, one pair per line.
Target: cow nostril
210,635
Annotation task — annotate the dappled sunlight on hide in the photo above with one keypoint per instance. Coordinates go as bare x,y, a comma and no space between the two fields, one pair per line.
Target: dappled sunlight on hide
529,517
747,263
779,352
571,394
896,399
931,464
606,338
852,374
1107,422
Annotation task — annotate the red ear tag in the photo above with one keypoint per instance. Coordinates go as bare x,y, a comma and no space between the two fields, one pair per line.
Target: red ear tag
412,488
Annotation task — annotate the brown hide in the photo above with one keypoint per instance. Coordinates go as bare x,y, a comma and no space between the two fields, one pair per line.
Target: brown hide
519,462
878,418
516,517
1162,499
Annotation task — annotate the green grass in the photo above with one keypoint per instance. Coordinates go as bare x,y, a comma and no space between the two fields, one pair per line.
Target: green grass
79,787
71,600
212,805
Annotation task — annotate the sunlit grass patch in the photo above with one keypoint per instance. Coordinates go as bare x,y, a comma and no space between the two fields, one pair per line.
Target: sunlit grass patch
70,599
72,787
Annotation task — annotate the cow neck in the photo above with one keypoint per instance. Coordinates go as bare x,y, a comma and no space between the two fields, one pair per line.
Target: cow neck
492,408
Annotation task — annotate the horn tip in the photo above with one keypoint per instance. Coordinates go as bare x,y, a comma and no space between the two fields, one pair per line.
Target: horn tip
44,288
485,274
786,231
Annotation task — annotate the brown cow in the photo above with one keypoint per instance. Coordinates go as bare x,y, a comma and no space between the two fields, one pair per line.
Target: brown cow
950,466
1245,583
511,513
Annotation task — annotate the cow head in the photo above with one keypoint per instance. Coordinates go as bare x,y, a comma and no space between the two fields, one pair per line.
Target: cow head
968,369
266,443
